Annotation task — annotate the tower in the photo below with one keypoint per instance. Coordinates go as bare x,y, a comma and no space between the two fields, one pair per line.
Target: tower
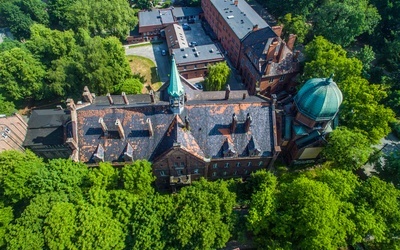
176,92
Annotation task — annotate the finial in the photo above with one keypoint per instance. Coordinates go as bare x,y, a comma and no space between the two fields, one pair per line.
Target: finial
330,79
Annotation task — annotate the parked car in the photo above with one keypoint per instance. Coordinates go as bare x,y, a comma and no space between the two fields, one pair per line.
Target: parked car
163,52
186,26
199,86
191,20
192,44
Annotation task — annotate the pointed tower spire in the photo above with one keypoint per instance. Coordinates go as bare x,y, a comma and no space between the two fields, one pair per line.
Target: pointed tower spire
176,91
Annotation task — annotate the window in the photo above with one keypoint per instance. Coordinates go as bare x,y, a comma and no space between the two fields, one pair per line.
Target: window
237,164
180,172
235,173
260,163
182,164
214,174
224,173
227,165
249,164
282,78
215,165
196,171
162,173
175,165
246,172
271,80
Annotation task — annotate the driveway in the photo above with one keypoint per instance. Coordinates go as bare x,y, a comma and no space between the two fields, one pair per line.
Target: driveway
153,52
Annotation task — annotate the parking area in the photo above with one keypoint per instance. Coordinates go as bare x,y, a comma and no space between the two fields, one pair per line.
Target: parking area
197,34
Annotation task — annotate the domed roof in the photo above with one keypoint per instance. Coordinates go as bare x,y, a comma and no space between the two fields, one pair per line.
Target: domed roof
319,99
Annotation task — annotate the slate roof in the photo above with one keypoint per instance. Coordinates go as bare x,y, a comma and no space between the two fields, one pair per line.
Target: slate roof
257,44
155,17
186,11
45,127
240,18
189,55
209,118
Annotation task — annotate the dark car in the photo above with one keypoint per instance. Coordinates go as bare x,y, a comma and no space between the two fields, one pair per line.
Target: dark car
163,52
199,86
186,26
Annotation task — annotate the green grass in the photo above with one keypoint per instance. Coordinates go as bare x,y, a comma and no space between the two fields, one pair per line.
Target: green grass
146,68
140,45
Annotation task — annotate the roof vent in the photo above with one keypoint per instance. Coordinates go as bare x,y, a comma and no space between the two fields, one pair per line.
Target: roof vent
182,49
211,50
230,17
185,55
197,54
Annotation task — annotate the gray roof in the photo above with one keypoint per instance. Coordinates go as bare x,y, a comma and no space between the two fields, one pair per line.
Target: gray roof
46,127
240,18
210,117
155,17
186,11
199,53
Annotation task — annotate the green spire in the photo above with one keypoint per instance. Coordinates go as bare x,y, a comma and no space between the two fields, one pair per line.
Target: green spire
175,88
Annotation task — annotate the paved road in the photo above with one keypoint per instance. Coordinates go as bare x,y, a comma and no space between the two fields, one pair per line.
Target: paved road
153,52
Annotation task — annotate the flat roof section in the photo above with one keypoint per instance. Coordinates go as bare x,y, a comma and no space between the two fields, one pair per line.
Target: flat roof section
186,11
241,17
149,18
207,52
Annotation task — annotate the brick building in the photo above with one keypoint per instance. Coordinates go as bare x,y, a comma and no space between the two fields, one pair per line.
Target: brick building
12,132
187,133
193,62
267,64
151,22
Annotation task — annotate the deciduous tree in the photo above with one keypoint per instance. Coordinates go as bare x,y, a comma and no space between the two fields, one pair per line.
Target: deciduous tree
217,76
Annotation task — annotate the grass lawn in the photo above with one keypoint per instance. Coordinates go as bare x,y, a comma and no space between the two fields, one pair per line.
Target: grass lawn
146,68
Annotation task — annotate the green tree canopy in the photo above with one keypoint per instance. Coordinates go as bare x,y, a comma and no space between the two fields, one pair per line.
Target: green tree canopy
347,149
21,75
129,86
217,76
295,25
324,58
101,18
341,21
6,108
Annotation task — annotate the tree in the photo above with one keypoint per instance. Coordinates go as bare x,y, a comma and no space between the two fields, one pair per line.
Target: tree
217,76
104,63
389,170
324,58
341,21
16,169
101,18
21,75
6,107
36,9
6,217
138,178
13,17
201,216
98,229
341,149
361,109
295,25
308,216
129,86
366,55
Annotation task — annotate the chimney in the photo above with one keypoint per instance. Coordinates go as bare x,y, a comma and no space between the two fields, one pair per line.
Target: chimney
234,123
151,132
281,53
87,95
236,2
103,126
271,49
99,155
274,98
71,104
72,143
268,69
110,99
125,98
291,40
244,96
152,96
255,27
247,123
227,91
277,30
187,125
120,129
